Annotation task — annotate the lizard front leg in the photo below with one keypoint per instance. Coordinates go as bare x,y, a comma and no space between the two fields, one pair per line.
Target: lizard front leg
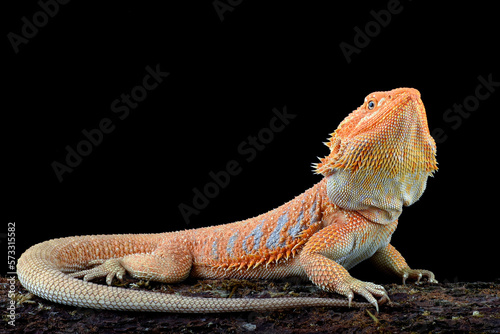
389,260
318,259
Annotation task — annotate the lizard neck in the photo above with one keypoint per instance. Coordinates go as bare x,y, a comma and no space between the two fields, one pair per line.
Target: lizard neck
375,194
305,210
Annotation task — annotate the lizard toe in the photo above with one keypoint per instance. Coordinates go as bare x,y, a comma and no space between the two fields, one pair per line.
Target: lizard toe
367,290
418,274
110,269
384,299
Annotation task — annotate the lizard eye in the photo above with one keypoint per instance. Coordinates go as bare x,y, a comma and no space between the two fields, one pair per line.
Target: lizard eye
371,105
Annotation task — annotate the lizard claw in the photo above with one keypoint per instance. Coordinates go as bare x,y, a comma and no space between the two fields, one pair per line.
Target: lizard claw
418,274
110,268
350,297
366,289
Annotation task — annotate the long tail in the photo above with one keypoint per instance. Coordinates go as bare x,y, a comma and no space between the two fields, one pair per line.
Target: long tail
41,270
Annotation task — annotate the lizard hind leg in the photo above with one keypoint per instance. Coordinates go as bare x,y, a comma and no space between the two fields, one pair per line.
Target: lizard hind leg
170,268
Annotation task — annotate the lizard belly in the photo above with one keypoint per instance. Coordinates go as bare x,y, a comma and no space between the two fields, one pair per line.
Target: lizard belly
290,268
357,255
363,243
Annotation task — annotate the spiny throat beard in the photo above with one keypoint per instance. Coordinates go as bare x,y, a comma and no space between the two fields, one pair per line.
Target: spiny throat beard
380,159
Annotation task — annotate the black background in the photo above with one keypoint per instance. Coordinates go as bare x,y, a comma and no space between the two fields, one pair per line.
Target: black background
226,76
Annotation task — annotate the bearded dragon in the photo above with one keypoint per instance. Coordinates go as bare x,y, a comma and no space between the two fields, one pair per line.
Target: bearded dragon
380,158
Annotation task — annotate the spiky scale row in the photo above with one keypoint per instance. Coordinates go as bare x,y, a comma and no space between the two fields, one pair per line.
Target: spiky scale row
267,257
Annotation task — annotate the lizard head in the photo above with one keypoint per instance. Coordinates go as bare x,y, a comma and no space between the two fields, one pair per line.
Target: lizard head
380,155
